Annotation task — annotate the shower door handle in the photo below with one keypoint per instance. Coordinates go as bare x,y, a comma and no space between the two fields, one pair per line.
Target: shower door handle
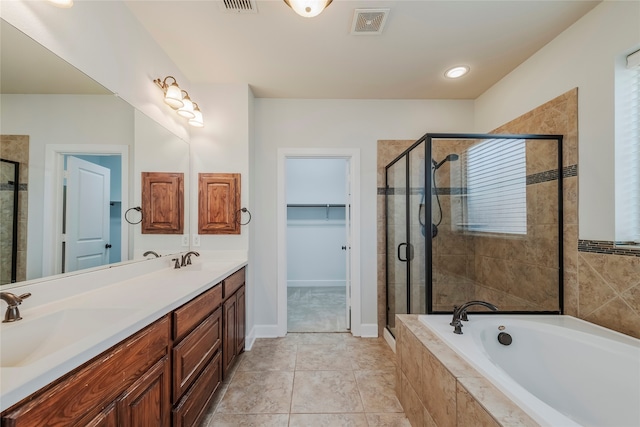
399,257
408,252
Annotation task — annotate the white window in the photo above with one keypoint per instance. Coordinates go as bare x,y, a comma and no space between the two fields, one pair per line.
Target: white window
496,187
627,170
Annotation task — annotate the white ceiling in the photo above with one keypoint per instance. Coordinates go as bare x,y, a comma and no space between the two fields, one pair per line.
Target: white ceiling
283,55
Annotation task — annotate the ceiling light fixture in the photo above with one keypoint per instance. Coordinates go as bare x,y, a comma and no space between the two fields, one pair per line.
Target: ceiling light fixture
62,3
179,100
308,8
456,72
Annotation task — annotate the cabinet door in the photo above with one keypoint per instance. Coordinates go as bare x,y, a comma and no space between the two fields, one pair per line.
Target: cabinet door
107,418
146,403
240,320
229,333
162,203
218,203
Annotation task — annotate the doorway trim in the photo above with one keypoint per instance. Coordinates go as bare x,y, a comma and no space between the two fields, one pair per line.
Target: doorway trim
352,155
53,201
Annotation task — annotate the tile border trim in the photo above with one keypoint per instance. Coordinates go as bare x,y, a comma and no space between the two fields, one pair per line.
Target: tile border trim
606,247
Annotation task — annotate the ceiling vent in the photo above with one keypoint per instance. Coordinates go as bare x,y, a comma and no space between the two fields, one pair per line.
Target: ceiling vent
239,6
369,21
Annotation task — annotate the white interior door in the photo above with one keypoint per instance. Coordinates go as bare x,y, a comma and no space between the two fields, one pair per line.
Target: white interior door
87,215
347,227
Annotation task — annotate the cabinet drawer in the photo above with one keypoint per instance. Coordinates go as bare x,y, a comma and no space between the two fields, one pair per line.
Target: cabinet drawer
94,384
192,313
195,402
194,351
232,283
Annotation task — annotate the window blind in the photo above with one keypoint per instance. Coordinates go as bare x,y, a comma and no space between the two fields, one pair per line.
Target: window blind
629,144
496,187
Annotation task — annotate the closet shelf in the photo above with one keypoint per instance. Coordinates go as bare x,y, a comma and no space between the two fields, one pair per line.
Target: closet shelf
326,205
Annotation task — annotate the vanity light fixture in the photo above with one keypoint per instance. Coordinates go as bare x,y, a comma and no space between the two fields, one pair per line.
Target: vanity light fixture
308,8
456,72
179,100
62,3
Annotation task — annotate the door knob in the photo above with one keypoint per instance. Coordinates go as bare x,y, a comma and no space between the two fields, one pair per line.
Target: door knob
107,246
344,248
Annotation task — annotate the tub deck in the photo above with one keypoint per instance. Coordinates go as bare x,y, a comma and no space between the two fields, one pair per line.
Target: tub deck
437,387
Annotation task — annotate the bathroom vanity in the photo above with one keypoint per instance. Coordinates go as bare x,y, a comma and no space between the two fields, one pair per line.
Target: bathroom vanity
158,372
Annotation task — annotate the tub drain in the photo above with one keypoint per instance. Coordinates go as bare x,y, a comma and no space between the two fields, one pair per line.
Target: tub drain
504,338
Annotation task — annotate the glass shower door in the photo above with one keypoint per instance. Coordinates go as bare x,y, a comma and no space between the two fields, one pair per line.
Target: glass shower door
418,230
396,228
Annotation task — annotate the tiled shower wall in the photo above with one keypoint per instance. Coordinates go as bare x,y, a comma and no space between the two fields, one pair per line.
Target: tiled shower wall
515,272
601,284
15,148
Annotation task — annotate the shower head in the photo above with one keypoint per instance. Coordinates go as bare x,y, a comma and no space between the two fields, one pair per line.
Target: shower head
450,158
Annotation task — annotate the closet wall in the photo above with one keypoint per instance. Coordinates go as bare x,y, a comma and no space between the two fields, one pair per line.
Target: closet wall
316,197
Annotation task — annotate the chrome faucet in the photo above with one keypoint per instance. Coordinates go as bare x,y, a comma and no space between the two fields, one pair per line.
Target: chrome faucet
13,301
460,314
186,258
151,253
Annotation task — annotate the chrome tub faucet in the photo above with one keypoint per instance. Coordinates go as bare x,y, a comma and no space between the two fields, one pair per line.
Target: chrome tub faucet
13,313
460,314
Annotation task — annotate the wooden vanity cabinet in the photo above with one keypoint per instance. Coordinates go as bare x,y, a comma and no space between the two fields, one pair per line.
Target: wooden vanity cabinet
166,374
129,381
233,319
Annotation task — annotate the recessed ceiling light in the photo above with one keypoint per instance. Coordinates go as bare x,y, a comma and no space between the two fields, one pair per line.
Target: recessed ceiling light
455,72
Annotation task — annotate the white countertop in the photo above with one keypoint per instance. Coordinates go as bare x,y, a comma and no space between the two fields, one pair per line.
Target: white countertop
143,299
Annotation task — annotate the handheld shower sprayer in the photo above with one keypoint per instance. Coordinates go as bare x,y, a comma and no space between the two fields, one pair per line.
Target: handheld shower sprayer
436,165
450,158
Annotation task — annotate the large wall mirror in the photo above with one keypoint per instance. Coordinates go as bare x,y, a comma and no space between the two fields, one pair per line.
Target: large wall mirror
72,154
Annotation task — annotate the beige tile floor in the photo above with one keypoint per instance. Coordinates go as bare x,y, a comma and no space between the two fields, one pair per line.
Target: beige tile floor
316,309
310,379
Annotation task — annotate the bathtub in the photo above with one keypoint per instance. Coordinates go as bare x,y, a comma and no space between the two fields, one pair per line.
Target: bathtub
562,371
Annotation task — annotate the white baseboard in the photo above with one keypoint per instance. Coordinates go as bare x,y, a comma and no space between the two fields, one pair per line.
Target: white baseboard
315,283
249,339
266,331
369,330
389,339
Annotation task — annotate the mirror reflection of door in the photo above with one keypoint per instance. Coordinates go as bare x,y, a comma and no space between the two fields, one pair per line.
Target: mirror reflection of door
9,188
87,240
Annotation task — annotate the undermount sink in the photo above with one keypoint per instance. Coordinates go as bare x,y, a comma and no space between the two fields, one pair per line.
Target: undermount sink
29,340
211,265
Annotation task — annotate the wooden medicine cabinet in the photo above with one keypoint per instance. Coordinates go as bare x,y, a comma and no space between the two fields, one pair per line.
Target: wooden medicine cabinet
218,203
162,202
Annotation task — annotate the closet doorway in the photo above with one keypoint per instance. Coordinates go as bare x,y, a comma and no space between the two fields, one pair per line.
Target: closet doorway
318,290
317,205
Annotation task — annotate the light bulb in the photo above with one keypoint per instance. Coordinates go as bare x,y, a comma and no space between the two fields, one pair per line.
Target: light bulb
455,72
